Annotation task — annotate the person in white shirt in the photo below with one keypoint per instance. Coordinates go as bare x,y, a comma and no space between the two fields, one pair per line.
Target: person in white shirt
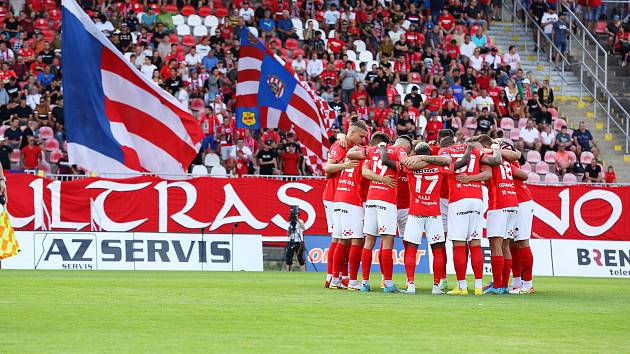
299,64
493,59
103,25
476,61
182,95
547,21
467,48
315,67
147,68
331,16
529,137
246,12
484,101
203,48
193,58
547,139
512,59
396,33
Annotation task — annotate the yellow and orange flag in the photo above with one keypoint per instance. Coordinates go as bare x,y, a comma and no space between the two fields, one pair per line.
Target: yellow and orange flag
8,244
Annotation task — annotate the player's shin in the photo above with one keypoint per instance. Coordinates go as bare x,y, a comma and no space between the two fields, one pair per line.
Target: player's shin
338,261
516,265
507,264
460,262
354,259
387,260
438,262
476,261
527,264
496,261
330,257
410,261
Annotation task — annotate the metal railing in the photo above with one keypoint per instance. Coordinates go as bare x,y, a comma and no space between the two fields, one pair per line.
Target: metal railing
172,176
598,87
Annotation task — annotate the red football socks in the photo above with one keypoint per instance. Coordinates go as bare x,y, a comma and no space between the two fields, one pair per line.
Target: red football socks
516,262
344,269
527,263
460,261
339,259
354,259
497,271
331,255
366,263
387,264
476,260
438,264
410,261
445,261
507,269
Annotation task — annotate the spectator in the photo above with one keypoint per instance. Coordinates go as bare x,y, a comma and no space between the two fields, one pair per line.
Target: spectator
547,139
290,160
561,35
564,160
5,153
563,137
299,65
349,79
529,137
610,176
243,157
612,29
512,58
485,122
314,68
210,60
593,172
246,13
285,26
543,117
467,48
267,159
545,94
31,154
583,140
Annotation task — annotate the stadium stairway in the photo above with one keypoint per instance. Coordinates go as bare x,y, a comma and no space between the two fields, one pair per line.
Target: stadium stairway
567,93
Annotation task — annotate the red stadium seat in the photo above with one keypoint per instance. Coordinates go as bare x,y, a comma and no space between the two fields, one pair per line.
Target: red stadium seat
586,157
507,123
221,12
49,4
533,177
558,123
46,133
55,156
526,167
15,156
569,178
51,145
600,27
171,8
204,11
3,128
49,35
551,178
462,28
550,156
173,37
542,168
137,8
156,8
188,10
41,24
188,40
197,104
522,123
416,57
277,41
297,52
470,124
473,29
533,156
291,44
554,113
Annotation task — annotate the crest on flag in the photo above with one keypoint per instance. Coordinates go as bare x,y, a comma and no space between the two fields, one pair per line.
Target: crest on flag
276,85
248,118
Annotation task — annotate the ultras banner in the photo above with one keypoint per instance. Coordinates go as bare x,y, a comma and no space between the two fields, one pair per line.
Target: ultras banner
261,206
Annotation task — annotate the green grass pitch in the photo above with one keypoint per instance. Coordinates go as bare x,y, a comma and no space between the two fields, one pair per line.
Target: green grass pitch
271,312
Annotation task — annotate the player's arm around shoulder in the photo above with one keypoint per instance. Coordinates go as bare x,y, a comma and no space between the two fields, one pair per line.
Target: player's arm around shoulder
492,160
372,176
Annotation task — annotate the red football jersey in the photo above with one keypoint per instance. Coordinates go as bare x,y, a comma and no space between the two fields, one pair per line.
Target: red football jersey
424,190
379,191
501,192
402,197
350,188
458,190
523,193
338,154
435,149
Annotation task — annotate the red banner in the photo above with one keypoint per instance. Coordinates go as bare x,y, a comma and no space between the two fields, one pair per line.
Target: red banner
261,206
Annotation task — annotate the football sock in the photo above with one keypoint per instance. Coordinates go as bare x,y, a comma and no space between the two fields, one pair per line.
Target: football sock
527,263
380,254
478,283
387,264
516,262
354,260
527,284
460,262
338,259
438,264
507,269
366,263
329,258
476,261
344,269
410,261
497,271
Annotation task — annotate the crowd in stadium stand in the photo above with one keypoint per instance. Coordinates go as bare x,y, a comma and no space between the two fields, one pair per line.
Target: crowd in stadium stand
405,67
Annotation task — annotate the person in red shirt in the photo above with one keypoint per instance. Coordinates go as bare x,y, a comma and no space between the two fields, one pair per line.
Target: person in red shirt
290,160
243,158
424,218
380,208
27,53
31,154
452,49
330,76
433,127
385,128
522,258
335,44
494,91
362,111
610,176
401,68
337,162
359,93
379,113
446,21
271,134
433,103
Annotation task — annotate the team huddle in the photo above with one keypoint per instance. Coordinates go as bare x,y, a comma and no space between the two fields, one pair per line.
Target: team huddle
414,189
